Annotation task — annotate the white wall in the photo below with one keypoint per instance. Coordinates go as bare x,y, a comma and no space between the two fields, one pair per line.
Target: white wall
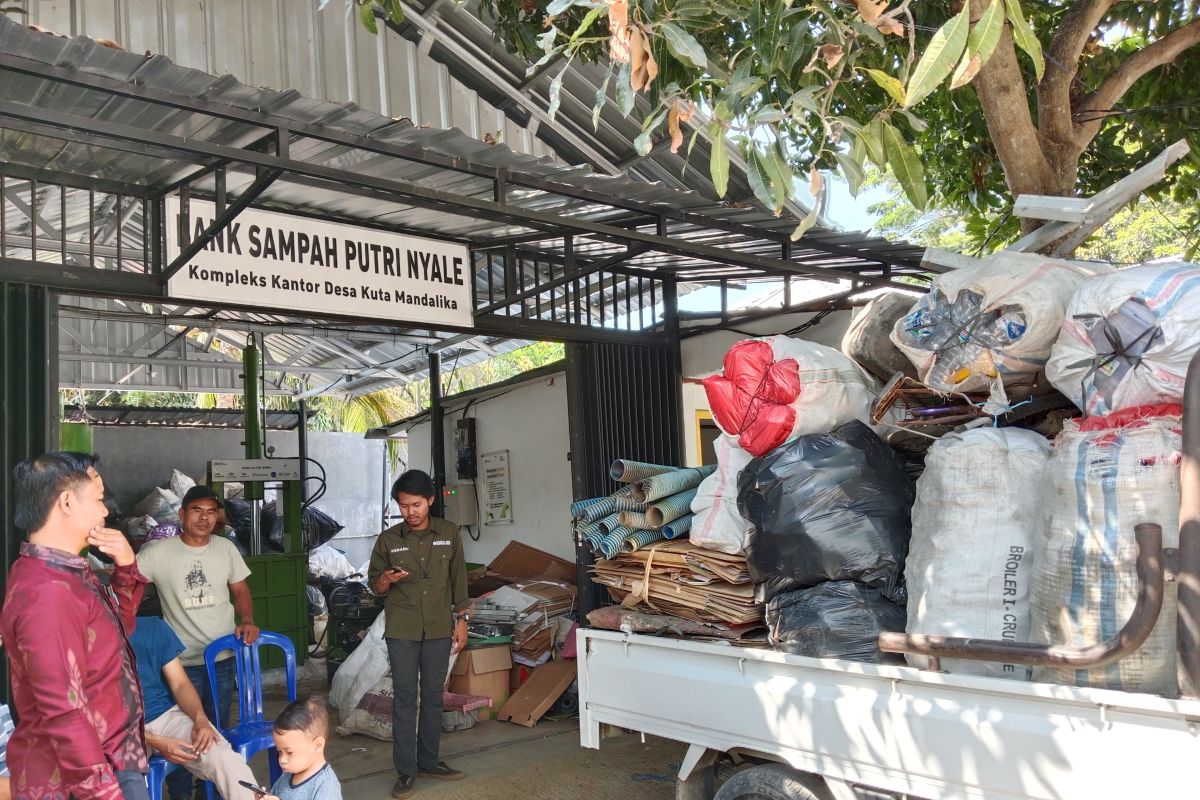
530,421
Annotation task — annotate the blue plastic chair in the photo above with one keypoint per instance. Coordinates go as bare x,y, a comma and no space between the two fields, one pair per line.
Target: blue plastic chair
253,732
160,768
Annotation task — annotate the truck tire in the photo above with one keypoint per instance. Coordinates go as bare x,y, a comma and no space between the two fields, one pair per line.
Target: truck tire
773,782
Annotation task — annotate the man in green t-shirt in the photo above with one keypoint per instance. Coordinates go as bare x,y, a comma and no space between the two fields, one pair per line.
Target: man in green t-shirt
419,567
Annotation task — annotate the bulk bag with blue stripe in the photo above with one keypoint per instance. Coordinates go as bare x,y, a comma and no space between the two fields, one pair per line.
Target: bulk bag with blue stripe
1128,337
1106,475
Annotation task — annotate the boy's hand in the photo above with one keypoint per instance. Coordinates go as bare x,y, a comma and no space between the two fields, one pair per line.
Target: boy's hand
177,751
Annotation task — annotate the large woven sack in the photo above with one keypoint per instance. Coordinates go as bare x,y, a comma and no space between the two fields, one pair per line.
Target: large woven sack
970,559
1128,338
993,321
1106,475
868,339
372,715
162,504
718,525
775,389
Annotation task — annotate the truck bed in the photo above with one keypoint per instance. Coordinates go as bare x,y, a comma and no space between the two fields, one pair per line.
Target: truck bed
894,728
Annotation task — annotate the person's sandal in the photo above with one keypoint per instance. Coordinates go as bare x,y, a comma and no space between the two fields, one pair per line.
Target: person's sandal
442,772
404,786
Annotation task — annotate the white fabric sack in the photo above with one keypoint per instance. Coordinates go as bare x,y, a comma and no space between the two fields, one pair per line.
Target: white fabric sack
868,339
372,715
162,504
717,524
1128,338
361,670
180,483
328,562
139,527
1098,486
995,320
970,559
833,389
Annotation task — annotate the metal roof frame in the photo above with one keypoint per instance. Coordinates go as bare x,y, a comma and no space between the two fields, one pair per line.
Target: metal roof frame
560,253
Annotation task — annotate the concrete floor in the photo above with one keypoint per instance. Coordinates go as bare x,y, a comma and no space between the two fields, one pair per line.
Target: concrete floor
505,761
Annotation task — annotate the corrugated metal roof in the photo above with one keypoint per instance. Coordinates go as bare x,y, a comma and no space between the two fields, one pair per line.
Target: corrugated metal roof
55,90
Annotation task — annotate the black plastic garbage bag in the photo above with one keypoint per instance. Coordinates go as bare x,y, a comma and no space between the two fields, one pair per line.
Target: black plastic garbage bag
837,619
824,507
241,518
318,527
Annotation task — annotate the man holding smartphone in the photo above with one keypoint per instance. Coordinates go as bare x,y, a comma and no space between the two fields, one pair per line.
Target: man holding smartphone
418,566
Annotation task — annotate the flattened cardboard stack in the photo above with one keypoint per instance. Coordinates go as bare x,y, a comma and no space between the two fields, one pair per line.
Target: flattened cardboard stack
683,580
540,605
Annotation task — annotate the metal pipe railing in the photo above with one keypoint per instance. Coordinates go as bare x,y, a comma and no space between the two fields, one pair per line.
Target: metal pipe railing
1188,628
1129,638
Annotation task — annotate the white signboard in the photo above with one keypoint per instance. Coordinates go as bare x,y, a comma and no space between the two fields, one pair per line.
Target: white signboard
282,262
259,469
497,490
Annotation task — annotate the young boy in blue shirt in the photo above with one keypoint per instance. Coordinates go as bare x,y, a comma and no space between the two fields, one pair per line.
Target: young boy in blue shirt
300,732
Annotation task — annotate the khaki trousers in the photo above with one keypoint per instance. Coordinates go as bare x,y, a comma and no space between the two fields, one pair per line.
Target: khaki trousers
221,764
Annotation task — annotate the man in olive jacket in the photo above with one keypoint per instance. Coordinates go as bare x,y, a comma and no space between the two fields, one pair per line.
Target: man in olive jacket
418,566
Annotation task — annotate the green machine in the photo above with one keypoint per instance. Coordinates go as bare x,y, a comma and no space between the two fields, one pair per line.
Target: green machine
277,580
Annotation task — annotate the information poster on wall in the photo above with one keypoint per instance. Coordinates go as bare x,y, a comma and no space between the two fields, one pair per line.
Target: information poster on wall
497,489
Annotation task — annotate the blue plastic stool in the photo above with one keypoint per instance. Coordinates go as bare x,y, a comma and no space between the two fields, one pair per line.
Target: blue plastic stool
160,768
253,731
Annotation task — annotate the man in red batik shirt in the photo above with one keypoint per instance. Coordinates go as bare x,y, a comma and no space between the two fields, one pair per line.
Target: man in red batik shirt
74,681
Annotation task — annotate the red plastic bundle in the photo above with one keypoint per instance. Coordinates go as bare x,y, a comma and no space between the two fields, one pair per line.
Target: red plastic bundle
753,398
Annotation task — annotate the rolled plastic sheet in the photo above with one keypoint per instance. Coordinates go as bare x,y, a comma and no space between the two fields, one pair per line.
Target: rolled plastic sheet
639,539
678,529
623,471
669,508
657,487
635,520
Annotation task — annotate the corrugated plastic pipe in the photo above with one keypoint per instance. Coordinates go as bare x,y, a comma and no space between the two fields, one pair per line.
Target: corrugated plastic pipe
678,528
611,543
623,471
635,520
610,505
607,524
670,508
639,539
659,486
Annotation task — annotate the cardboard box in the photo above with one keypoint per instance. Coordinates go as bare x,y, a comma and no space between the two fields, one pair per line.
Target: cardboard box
536,695
521,562
483,671
518,675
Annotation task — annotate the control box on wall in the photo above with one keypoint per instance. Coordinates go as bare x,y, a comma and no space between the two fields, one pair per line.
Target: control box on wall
459,504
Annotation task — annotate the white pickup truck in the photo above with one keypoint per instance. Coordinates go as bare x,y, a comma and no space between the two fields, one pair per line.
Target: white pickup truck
836,729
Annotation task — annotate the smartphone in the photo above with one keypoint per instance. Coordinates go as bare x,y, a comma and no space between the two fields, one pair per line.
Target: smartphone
399,569
256,789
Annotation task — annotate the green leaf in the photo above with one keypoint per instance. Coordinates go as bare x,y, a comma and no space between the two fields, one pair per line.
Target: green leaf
768,115
906,166
556,92
872,139
980,44
367,14
558,6
644,143
546,40
919,125
783,170
591,17
395,11
718,161
852,171
851,125
601,99
805,99
889,84
940,57
760,181
684,46
625,96
1025,37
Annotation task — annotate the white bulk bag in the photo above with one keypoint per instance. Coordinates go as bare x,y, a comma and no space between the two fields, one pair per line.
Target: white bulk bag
1101,481
1128,338
970,559
717,524
995,320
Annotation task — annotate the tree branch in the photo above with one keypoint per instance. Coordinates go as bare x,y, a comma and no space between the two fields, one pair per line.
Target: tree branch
1002,94
1062,65
1154,55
